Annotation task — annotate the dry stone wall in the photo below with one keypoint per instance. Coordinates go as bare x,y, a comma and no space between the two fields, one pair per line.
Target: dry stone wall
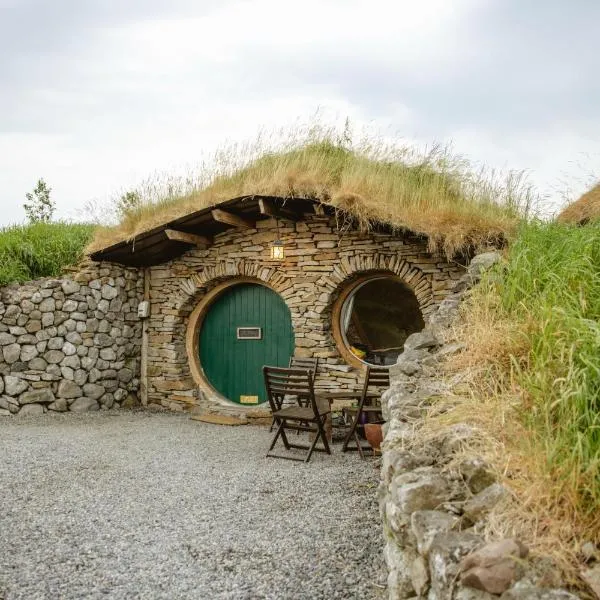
70,343
319,261
433,504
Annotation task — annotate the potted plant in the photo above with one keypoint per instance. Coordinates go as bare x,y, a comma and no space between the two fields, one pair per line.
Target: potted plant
374,435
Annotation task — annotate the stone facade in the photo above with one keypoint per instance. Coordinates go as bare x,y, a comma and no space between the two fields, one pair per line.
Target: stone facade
71,343
320,260
433,504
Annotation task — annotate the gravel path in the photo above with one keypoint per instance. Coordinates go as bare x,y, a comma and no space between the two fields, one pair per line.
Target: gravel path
143,505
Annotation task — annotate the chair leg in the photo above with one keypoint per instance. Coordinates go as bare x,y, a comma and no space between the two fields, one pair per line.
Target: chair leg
285,440
359,446
311,449
319,435
276,436
323,433
351,433
279,433
273,422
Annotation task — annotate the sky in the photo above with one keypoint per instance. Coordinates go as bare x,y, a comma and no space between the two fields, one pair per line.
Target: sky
98,95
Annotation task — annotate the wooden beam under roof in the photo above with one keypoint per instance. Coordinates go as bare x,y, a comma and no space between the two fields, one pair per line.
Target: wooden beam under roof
153,247
188,238
229,218
268,208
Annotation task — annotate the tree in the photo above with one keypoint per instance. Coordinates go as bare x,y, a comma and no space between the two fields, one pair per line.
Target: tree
128,202
39,207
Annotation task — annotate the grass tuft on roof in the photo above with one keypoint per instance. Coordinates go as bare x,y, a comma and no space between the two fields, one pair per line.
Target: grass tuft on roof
433,193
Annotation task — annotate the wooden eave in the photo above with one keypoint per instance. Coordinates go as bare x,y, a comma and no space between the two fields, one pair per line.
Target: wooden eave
162,243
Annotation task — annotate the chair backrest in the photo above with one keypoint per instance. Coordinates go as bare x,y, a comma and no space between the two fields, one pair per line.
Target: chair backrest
376,377
281,382
297,362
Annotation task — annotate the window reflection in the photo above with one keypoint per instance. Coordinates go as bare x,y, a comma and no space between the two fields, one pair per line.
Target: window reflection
377,317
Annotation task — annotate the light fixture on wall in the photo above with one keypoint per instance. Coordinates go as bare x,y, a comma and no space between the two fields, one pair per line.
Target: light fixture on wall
277,248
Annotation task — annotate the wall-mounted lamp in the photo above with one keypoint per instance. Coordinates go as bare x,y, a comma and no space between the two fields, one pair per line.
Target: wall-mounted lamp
277,250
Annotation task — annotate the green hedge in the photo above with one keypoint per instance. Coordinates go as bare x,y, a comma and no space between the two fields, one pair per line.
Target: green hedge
40,250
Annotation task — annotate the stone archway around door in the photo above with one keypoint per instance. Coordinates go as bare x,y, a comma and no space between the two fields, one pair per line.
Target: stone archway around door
239,326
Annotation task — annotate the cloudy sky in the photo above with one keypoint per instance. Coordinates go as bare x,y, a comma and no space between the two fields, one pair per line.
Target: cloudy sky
96,95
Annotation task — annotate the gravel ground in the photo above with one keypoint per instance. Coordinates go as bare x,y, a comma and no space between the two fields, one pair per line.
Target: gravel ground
144,505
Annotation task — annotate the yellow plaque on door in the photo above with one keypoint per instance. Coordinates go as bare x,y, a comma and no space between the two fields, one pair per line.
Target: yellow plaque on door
248,399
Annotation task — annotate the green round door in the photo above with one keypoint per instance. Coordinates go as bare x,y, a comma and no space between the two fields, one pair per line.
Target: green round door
248,326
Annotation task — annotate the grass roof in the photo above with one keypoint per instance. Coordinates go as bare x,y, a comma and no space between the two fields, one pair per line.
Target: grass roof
584,210
433,193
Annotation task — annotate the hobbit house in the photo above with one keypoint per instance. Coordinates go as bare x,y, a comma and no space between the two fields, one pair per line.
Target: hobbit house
186,314
258,280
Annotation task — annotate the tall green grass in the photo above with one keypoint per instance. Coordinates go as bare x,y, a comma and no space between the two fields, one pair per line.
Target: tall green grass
40,250
550,291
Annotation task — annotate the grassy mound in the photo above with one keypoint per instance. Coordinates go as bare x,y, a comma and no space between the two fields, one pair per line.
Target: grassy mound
584,210
552,291
40,250
434,194
533,330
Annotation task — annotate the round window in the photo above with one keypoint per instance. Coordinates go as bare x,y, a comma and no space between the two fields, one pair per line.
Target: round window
376,318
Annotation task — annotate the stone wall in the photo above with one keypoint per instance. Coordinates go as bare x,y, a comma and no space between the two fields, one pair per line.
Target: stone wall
320,261
433,503
70,343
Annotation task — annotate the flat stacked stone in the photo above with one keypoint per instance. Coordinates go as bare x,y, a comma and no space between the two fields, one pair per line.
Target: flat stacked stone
319,260
49,351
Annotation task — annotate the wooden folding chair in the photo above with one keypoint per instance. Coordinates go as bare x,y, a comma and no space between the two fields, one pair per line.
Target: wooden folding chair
298,363
304,363
375,377
309,415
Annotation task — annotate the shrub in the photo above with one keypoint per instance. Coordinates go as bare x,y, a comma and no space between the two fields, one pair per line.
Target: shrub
40,249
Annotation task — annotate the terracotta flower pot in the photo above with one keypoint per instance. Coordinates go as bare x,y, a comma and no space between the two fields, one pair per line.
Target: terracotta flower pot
374,433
